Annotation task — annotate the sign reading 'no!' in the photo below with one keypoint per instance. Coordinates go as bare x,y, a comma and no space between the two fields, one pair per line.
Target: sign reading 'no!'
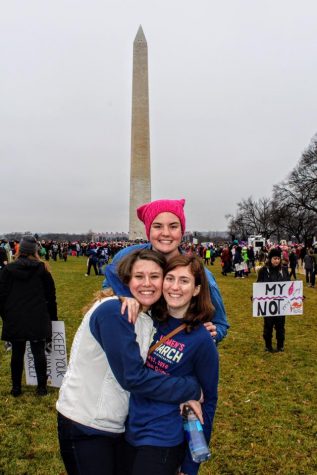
271,299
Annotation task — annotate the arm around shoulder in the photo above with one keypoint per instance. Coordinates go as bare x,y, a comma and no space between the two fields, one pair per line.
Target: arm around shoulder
118,340
220,317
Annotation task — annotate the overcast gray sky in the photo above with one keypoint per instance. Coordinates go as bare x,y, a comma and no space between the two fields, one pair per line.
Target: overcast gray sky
233,103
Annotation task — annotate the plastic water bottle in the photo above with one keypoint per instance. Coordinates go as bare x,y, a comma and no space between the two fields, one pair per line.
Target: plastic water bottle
197,444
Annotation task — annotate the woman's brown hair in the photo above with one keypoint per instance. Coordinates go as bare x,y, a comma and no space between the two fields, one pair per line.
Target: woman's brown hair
125,266
201,308
124,270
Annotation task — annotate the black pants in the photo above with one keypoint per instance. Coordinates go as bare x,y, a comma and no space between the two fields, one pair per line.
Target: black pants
226,267
309,276
84,454
17,362
293,272
149,460
279,324
94,265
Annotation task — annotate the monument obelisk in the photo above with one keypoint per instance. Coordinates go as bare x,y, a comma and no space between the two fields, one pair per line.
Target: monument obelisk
140,172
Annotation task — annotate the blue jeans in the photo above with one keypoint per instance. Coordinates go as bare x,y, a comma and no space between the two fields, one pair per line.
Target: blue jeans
85,454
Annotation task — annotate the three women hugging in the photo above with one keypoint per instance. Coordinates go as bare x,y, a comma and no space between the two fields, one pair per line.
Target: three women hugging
119,404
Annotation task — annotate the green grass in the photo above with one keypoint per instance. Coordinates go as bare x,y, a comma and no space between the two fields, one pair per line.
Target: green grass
266,420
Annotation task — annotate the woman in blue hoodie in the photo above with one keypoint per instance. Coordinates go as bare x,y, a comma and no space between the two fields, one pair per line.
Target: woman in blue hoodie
154,430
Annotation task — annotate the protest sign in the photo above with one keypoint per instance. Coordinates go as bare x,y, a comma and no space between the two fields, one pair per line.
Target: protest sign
241,267
56,360
271,299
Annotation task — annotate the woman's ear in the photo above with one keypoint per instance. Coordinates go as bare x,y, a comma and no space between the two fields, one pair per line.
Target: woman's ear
197,290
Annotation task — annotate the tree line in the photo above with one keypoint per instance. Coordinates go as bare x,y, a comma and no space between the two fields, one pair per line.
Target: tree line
291,211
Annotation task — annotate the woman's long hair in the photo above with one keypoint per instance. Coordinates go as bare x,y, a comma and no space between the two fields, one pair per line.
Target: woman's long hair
200,309
31,257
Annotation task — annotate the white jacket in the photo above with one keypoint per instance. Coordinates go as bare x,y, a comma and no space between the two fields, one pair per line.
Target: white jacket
90,394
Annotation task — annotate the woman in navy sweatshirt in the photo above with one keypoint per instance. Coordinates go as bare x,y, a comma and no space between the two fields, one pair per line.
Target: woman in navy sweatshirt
107,361
154,430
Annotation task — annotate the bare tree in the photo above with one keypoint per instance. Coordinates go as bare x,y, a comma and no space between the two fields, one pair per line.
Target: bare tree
253,217
291,219
291,212
301,186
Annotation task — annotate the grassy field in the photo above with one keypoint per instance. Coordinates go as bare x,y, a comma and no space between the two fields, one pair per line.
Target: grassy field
266,421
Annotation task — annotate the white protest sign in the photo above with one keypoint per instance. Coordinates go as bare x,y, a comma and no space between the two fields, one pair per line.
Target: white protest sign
241,267
56,360
271,299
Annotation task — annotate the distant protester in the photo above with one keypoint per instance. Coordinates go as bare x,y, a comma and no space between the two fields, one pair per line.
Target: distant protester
226,260
92,262
251,257
237,261
273,271
314,255
27,307
309,267
293,263
3,254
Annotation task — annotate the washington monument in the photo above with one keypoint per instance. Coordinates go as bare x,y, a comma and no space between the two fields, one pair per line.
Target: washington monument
140,173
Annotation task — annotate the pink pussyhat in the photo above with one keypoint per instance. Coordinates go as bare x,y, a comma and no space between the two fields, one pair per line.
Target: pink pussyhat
148,212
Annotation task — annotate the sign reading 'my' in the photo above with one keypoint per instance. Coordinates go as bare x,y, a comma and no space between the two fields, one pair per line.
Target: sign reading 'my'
56,360
271,299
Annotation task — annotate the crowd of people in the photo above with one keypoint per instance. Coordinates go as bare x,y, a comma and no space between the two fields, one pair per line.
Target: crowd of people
241,260
49,249
147,343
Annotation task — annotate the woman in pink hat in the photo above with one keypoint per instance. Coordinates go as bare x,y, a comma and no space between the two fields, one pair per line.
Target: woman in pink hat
165,225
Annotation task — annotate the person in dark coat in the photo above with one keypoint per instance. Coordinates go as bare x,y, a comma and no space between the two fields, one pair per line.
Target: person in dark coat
237,260
309,267
251,257
293,263
92,262
27,307
3,257
226,259
273,271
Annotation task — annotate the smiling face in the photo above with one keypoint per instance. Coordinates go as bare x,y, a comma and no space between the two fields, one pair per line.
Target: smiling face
146,282
166,234
178,290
